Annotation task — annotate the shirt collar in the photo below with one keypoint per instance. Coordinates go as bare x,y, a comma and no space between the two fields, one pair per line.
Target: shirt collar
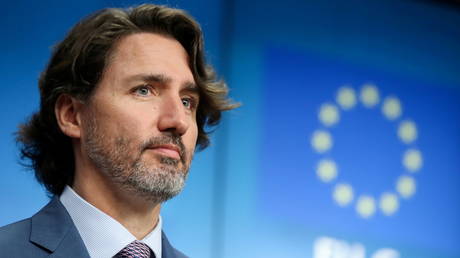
103,236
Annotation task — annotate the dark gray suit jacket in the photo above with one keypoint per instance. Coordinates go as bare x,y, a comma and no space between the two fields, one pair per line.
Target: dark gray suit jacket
52,233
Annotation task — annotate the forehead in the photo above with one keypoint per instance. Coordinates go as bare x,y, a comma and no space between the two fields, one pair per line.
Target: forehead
149,53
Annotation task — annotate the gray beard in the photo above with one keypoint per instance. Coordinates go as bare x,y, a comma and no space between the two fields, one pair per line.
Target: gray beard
114,158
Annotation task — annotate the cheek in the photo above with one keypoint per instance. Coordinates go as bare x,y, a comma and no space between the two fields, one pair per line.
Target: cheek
119,117
133,121
192,136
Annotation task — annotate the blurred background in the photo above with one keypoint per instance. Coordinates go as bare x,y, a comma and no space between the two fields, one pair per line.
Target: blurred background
346,146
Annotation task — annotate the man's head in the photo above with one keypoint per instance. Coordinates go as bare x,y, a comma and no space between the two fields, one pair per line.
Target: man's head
131,89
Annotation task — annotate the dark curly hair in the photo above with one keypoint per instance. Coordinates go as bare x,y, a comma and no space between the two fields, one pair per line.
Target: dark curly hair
76,66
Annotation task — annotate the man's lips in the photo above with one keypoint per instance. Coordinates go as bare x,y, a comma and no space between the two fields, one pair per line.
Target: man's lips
169,150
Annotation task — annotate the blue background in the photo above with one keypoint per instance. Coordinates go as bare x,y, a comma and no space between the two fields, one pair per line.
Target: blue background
254,192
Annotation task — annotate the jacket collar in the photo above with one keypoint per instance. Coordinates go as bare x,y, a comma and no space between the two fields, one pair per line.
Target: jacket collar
53,229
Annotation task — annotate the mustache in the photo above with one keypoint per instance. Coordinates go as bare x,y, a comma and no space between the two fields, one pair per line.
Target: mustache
167,138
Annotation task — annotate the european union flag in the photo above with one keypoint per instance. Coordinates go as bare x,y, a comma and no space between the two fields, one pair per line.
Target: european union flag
361,154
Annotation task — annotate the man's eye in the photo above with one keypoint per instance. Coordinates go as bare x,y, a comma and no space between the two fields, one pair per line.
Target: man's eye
188,103
142,91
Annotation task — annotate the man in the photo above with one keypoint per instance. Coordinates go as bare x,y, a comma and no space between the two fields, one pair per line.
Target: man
125,100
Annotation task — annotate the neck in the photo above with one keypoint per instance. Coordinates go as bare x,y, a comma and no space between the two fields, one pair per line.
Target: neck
138,215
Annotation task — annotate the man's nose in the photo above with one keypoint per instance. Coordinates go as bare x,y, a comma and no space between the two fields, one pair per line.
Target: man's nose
172,115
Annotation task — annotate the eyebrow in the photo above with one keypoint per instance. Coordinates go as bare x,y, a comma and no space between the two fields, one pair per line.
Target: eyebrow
188,86
159,78
191,88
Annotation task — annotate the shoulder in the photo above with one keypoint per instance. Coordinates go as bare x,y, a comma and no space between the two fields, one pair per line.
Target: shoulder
176,253
168,250
16,231
179,254
14,240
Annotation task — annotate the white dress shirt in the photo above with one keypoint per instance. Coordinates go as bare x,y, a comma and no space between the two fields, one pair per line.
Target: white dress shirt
103,236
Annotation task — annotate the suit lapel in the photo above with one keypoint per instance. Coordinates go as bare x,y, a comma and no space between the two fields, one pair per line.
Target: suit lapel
53,229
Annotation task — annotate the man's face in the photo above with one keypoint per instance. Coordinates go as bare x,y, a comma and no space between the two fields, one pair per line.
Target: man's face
139,126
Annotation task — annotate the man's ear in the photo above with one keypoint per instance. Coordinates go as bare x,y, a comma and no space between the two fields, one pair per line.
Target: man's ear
68,115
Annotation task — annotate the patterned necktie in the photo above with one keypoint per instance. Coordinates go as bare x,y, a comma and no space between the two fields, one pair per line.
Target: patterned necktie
135,249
